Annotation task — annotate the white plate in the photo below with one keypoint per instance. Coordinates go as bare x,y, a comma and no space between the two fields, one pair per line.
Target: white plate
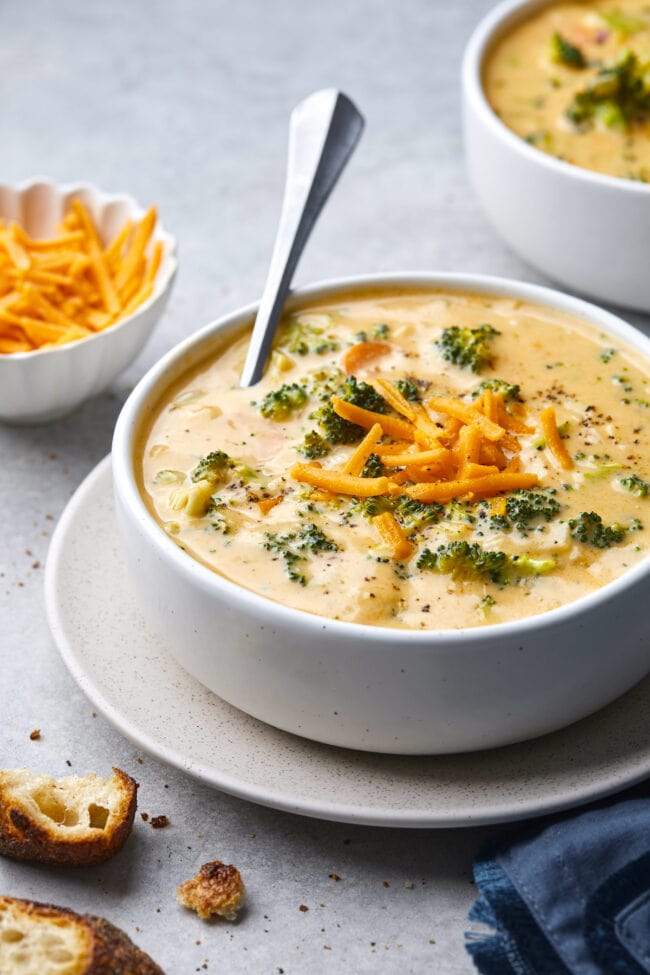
127,672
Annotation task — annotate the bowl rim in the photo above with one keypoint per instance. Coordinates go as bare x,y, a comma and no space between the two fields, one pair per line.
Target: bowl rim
147,393
164,277
496,22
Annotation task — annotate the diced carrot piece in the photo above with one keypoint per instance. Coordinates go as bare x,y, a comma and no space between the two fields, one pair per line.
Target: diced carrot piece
362,353
267,504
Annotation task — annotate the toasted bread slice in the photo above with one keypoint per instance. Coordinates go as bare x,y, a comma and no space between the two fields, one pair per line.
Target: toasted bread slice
72,821
217,889
39,939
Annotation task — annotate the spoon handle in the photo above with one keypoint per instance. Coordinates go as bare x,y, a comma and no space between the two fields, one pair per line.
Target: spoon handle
323,132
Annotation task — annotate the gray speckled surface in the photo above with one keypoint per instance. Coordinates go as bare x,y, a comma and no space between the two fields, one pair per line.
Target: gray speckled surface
186,105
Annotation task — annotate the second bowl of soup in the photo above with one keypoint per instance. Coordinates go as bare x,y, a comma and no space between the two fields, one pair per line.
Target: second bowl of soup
423,531
556,104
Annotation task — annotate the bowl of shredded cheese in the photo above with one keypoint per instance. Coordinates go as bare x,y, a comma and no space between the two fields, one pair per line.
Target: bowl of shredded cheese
84,277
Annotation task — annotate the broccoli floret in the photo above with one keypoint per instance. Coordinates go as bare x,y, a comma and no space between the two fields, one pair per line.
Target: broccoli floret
409,390
466,561
370,507
510,391
523,566
196,500
340,431
463,560
618,96
324,383
460,511
373,467
379,332
364,395
589,529
636,485
416,515
336,429
215,510
600,471
291,548
468,348
563,52
212,467
524,507
280,403
312,539
314,446
301,337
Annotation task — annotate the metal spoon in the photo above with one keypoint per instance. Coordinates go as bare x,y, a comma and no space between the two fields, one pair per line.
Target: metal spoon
323,132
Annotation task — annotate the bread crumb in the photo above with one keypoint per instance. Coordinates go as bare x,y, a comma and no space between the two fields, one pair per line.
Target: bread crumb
35,734
144,816
216,889
334,876
303,908
159,822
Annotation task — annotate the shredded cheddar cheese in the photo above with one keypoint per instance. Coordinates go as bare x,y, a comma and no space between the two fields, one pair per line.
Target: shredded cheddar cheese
65,288
357,461
553,439
464,458
339,483
366,419
393,535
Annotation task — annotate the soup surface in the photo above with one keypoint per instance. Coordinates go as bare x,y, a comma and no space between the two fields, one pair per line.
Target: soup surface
574,81
423,460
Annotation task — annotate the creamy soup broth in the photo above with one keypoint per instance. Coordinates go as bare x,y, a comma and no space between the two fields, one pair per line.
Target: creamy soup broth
545,80
267,530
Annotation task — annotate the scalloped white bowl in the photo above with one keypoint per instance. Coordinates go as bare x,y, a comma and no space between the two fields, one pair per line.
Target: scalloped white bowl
586,230
370,687
49,383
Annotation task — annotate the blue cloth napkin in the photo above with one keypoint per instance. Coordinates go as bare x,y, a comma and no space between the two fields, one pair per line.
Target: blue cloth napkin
570,897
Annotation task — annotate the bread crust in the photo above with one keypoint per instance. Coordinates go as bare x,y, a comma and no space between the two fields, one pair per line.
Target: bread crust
216,889
106,950
28,837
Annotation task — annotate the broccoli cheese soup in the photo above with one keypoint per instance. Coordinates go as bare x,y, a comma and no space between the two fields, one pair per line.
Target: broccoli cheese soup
574,81
424,460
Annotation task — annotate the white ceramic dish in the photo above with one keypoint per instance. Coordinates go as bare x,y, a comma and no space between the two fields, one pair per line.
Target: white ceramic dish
126,669
588,231
49,383
365,687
